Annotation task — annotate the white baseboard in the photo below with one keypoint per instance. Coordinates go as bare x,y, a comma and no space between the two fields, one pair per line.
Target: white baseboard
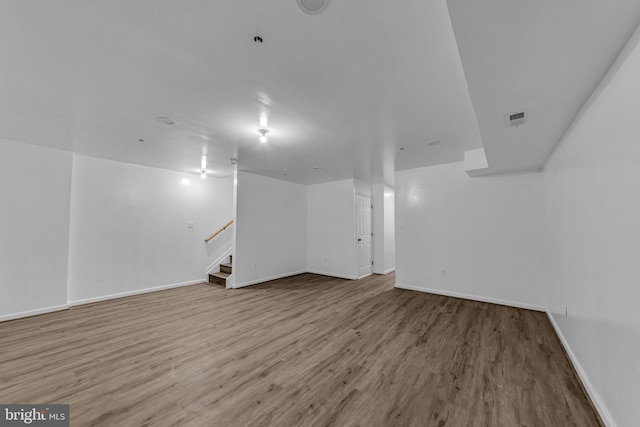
593,394
391,270
339,276
218,260
473,297
29,313
134,292
267,279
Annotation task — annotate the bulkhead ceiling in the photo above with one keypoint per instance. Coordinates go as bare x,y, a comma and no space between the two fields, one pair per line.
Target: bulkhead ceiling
359,90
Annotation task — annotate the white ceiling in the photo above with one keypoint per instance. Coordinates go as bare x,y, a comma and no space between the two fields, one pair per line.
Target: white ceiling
544,55
343,91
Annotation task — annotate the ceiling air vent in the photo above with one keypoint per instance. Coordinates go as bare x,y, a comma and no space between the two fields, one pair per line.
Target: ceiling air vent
516,119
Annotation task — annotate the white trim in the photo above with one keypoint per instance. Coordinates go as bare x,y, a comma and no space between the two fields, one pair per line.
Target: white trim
473,297
267,279
218,261
134,292
391,270
339,276
598,403
30,313
364,275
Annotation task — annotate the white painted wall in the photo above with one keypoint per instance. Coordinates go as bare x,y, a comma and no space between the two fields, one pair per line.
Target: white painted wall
331,229
362,187
383,229
485,232
34,228
271,229
129,227
377,198
389,229
592,186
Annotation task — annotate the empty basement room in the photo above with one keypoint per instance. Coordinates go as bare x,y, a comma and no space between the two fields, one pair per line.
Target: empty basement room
319,213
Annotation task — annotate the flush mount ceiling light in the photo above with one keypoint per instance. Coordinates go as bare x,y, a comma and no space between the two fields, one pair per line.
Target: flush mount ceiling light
167,121
313,7
263,135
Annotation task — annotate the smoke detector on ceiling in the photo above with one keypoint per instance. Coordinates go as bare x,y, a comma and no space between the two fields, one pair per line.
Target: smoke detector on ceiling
313,7
516,119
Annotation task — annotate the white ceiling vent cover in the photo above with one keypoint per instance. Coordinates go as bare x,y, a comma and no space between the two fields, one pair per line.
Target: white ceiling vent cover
516,119
313,7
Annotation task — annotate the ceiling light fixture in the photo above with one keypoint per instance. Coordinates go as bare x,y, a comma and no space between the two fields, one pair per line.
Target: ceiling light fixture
203,174
263,135
203,162
313,7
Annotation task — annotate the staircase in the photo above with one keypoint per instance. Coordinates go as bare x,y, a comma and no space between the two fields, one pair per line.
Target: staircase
225,271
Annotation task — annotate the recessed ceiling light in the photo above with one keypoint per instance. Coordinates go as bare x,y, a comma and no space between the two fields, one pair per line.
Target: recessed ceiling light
432,143
313,7
401,148
167,121
140,140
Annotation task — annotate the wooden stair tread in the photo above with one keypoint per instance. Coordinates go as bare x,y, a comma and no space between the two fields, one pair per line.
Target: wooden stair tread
220,277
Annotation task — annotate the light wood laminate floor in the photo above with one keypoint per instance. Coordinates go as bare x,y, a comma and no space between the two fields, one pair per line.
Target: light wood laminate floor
303,351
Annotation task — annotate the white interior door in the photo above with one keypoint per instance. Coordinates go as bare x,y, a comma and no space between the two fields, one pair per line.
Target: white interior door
364,235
